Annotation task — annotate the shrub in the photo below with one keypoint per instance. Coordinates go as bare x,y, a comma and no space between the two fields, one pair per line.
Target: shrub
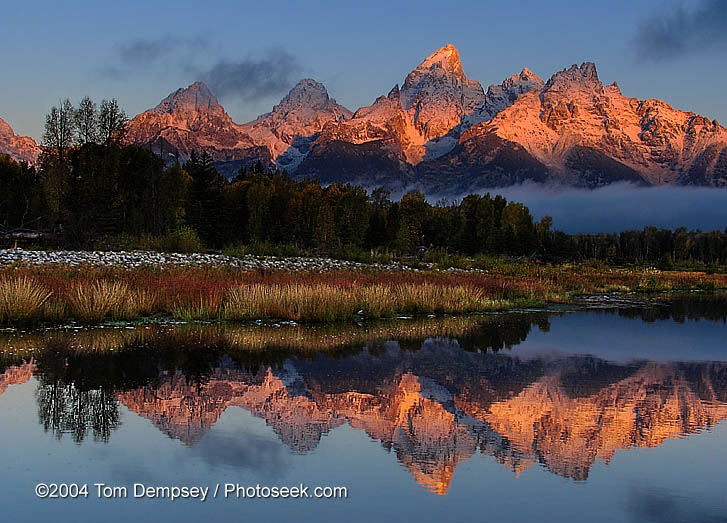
183,239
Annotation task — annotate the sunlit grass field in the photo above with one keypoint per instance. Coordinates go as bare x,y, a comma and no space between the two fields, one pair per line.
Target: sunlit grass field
56,293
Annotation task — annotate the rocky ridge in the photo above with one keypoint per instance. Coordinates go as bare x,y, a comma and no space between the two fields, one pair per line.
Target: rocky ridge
19,148
192,119
411,123
589,134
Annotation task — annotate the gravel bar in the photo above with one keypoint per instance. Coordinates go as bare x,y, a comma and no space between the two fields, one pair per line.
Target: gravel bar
135,259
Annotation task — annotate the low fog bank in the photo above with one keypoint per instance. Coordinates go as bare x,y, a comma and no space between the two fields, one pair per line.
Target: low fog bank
621,207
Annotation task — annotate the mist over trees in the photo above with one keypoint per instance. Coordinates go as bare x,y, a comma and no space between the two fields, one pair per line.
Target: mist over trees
93,190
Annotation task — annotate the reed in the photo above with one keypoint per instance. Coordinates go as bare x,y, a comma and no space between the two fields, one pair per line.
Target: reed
95,294
377,301
21,300
94,302
321,302
136,303
197,307
298,302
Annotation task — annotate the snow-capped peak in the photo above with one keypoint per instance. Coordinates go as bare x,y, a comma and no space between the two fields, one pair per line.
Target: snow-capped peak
441,67
308,93
288,130
196,97
446,57
522,83
526,75
437,93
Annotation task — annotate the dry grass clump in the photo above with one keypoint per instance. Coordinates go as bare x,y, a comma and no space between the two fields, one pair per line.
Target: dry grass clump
377,301
320,302
298,302
21,300
199,306
434,299
303,302
98,300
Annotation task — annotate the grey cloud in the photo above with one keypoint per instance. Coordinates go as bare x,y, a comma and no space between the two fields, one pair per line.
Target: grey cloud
144,52
682,31
621,207
161,55
253,78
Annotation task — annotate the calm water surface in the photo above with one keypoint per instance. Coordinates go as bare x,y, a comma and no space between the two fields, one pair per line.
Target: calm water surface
581,416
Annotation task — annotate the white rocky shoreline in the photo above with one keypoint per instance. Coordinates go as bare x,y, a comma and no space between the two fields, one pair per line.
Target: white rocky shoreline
138,259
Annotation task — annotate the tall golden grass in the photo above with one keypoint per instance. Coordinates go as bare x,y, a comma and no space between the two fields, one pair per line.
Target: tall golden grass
200,306
91,295
99,300
21,300
323,302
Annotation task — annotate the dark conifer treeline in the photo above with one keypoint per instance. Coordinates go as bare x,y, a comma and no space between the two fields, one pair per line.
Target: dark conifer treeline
100,193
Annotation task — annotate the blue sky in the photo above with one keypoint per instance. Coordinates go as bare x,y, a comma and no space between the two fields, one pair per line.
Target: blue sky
139,51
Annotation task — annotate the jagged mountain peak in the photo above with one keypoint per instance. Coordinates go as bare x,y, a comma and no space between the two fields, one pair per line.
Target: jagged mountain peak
5,128
501,96
521,83
191,119
437,94
20,148
441,70
195,97
584,76
306,103
526,75
288,130
308,93
442,64
446,58
311,96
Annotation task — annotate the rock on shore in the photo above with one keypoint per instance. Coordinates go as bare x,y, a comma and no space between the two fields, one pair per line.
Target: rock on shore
135,259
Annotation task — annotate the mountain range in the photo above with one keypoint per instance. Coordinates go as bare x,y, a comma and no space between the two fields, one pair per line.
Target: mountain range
442,133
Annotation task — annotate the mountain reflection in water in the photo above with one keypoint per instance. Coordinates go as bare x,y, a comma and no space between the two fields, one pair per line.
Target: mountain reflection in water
434,401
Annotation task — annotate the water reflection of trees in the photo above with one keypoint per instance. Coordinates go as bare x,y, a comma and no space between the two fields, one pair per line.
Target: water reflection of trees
63,408
680,308
81,372
77,391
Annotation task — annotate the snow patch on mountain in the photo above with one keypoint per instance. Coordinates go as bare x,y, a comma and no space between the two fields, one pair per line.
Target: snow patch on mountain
289,129
501,96
574,109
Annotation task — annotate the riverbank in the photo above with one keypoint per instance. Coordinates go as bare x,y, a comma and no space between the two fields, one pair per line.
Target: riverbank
92,288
